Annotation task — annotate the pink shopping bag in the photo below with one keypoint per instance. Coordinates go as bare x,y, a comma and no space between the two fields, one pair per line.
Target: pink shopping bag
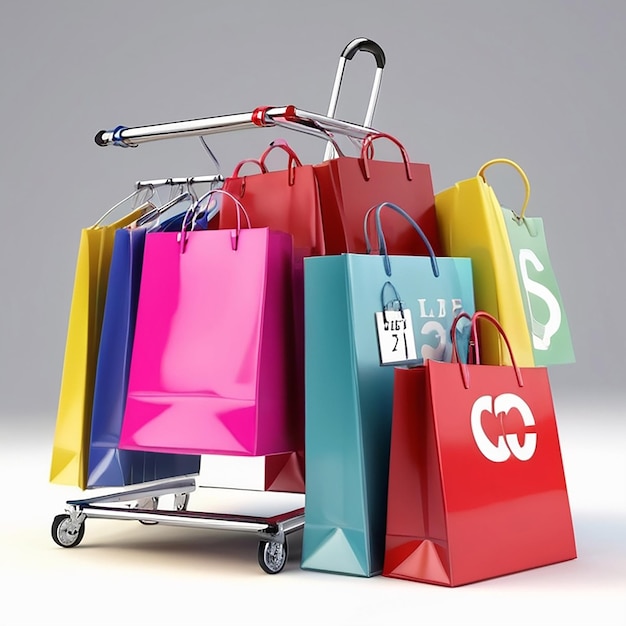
212,361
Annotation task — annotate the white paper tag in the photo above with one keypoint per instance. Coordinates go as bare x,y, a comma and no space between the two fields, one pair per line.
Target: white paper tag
396,343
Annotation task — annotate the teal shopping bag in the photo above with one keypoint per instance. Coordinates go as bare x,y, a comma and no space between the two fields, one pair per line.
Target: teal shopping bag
543,305
365,314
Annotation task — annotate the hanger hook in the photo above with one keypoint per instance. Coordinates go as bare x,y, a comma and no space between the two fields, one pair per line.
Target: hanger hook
210,153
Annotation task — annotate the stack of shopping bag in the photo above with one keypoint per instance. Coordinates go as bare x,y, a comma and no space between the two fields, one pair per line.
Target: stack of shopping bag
392,471
382,346
476,481
102,322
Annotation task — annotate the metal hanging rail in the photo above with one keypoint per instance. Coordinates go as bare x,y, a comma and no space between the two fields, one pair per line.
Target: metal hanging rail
180,180
324,126
288,116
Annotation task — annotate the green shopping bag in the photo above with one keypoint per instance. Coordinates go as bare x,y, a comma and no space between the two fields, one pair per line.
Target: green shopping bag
543,305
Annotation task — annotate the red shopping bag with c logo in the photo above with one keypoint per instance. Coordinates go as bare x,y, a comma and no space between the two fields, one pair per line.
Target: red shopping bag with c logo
476,481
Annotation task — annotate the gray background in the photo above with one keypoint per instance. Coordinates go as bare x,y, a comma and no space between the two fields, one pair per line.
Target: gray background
539,82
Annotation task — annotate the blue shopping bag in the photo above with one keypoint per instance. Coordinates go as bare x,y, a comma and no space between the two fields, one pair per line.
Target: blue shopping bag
365,314
108,465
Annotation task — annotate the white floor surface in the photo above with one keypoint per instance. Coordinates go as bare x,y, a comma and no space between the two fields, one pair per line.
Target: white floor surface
125,572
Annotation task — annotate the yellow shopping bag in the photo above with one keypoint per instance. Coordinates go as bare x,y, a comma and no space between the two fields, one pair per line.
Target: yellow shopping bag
471,224
73,424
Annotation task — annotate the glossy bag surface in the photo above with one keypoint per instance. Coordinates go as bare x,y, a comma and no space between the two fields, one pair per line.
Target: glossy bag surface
285,200
211,367
476,481
286,472
349,393
70,450
546,319
471,224
350,186
108,465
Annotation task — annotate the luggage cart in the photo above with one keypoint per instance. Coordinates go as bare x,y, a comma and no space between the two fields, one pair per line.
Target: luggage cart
68,529
142,503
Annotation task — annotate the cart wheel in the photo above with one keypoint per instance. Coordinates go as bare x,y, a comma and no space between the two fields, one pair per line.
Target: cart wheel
272,556
181,500
66,533
148,503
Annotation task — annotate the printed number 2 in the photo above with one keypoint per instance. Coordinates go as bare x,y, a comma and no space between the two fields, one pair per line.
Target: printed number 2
395,345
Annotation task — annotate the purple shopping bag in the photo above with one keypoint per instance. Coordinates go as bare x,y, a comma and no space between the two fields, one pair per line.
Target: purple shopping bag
212,367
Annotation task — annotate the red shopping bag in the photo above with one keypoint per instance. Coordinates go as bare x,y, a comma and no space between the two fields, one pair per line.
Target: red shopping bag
476,481
285,200
349,186
285,472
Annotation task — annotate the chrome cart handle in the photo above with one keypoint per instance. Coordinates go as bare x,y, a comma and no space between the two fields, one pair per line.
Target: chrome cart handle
356,45
367,45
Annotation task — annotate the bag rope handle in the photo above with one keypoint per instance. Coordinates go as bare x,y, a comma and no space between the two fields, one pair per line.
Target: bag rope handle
382,244
294,160
367,153
520,171
239,165
195,209
474,334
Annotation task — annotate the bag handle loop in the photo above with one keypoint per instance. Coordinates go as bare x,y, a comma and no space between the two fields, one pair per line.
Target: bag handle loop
293,162
520,171
367,153
283,145
242,179
382,244
474,335
239,165
196,208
